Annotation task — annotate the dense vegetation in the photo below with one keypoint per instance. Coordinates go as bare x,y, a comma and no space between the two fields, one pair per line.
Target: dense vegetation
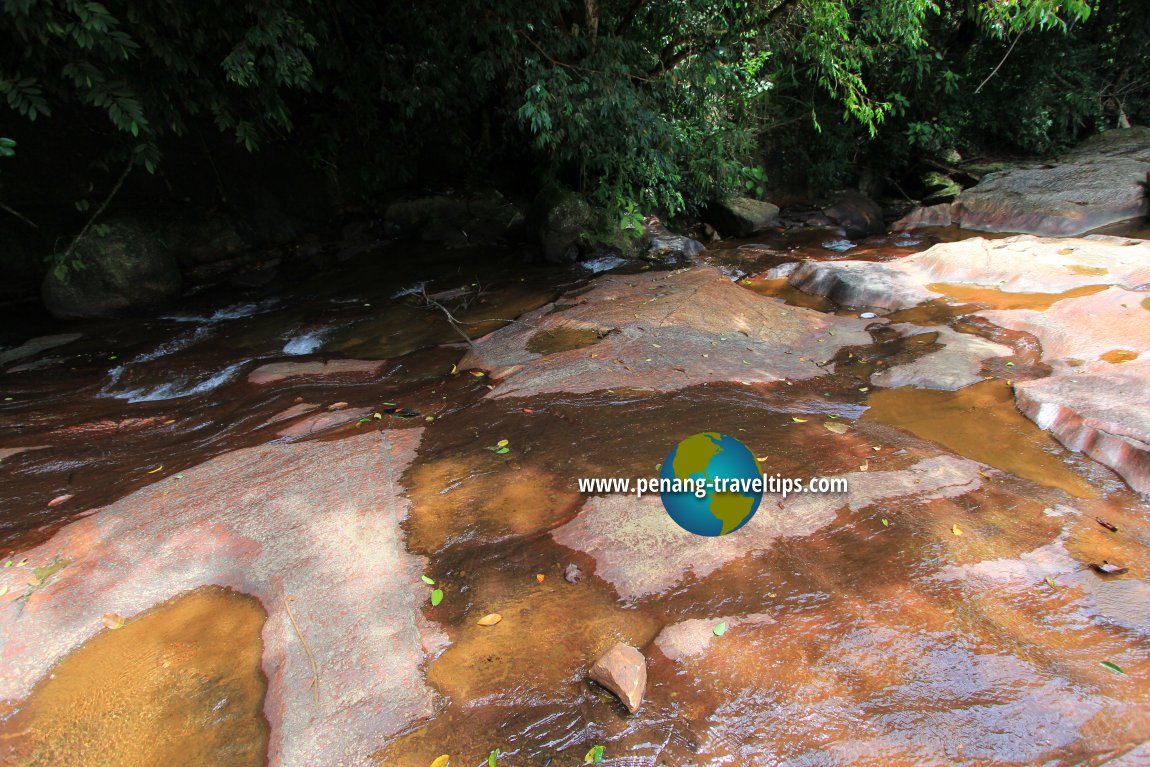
641,104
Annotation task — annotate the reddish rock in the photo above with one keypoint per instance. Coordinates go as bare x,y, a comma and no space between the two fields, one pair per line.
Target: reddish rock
321,422
297,409
1099,183
8,452
623,671
919,218
110,426
279,371
663,331
60,500
1105,414
317,521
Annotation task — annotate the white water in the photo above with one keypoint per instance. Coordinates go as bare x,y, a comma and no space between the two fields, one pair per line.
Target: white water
179,388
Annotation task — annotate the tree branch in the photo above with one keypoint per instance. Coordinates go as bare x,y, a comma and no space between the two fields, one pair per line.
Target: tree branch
99,210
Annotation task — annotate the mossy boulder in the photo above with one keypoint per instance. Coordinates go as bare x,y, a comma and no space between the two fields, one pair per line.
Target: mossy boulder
742,216
120,267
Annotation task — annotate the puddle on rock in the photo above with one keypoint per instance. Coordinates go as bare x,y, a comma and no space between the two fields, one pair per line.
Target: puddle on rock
563,339
1115,356
993,298
179,684
781,288
980,422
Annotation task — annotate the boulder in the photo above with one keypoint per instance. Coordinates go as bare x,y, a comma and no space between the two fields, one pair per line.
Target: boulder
623,671
857,214
1099,183
119,268
455,220
667,247
932,215
940,188
563,221
742,216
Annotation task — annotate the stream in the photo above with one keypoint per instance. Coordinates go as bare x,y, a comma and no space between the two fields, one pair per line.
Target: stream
952,621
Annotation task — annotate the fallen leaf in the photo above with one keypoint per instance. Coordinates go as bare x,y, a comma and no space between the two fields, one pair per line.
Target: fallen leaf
594,756
454,369
885,522
490,619
61,499
1106,568
436,597
493,757
441,761
113,620
22,562
158,468
503,451
3,589
865,466
864,389
796,419
478,373
720,629
956,529
540,577
502,443
429,418
1106,524
836,427
428,581
1112,667
1051,583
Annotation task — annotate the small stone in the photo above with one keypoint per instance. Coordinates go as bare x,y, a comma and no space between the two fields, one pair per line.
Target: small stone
867,316
337,406
573,574
623,671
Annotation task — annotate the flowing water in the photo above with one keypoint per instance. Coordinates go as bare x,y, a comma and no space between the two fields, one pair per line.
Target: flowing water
958,629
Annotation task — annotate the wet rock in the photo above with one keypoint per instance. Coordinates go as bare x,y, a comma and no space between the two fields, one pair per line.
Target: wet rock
1105,414
664,331
280,371
455,220
321,422
573,574
297,409
940,188
8,452
919,218
36,345
956,365
693,637
273,521
668,247
563,220
126,268
1020,264
640,551
1099,183
623,671
742,216
858,215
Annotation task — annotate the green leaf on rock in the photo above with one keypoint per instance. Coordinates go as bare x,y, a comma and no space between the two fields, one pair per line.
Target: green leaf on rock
428,581
720,629
1112,667
436,597
594,756
493,757
1050,582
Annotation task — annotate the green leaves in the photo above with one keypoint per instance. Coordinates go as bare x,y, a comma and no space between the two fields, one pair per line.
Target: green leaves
720,629
436,597
1113,667
594,755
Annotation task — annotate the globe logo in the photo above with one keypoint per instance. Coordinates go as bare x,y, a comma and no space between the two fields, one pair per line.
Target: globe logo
711,484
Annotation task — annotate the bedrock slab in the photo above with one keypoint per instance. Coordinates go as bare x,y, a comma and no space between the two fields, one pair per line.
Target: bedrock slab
663,331
956,365
1105,414
640,551
1023,264
318,522
279,371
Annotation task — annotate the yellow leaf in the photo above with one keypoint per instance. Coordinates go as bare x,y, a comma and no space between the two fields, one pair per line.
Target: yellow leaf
454,369
158,468
502,443
3,589
478,373
441,761
490,620
956,529
113,620
836,427
865,466
796,419
540,577
22,562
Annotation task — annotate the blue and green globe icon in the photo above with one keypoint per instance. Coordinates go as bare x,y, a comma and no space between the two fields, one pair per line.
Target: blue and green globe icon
705,458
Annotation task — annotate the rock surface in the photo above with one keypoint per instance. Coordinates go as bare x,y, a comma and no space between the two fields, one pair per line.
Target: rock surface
742,216
663,331
1105,414
623,671
36,345
344,368
272,521
126,268
857,214
956,365
1099,183
693,637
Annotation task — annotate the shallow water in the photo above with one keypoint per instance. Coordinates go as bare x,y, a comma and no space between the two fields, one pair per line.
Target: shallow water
886,637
